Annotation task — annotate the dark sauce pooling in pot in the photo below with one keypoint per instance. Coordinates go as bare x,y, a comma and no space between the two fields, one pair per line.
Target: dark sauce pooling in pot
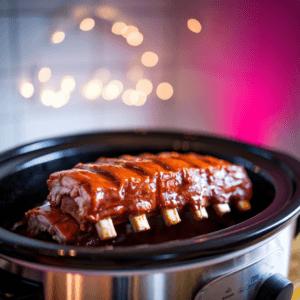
159,232
263,195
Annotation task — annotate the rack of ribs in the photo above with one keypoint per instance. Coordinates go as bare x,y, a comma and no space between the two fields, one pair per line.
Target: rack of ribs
112,190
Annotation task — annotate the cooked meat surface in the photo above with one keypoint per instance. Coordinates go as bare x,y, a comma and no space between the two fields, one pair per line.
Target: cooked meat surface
62,227
110,191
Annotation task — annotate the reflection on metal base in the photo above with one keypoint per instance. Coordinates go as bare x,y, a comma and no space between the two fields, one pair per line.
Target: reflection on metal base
177,281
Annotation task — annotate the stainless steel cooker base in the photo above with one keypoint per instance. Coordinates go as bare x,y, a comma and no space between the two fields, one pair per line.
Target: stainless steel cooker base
236,275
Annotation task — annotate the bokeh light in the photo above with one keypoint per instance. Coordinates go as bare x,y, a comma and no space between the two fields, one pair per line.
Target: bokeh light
47,97
118,27
126,97
135,38
144,85
80,12
106,12
135,73
87,24
164,91
127,30
112,90
58,37
149,59
60,99
138,98
68,84
119,84
194,25
44,74
92,90
27,89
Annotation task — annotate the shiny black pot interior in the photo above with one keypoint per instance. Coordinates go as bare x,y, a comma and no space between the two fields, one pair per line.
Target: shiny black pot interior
24,171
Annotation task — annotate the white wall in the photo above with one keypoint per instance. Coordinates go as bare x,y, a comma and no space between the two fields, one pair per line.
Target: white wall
239,77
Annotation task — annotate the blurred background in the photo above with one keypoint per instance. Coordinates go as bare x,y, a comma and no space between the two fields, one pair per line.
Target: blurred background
230,68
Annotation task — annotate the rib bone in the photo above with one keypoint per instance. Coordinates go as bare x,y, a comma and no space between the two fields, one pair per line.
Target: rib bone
139,223
105,229
170,216
221,209
200,214
243,205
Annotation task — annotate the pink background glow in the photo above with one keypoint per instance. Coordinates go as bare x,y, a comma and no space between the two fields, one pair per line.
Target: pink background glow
246,68
239,77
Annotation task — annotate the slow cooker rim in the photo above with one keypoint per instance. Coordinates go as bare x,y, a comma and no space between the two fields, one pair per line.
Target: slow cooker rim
50,249
157,266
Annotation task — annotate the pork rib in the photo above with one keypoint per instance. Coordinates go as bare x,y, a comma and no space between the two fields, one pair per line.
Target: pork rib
62,227
131,187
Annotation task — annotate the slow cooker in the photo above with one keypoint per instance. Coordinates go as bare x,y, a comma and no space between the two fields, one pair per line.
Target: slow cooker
249,260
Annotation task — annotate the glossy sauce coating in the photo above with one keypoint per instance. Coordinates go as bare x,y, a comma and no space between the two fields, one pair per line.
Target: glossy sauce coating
52,220
159,233
145,184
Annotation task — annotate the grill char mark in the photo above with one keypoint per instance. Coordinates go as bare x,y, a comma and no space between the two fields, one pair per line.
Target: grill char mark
95,169
180,164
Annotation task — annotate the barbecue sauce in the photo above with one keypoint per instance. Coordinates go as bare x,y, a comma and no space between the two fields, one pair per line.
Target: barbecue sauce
138,185
159,232
117,188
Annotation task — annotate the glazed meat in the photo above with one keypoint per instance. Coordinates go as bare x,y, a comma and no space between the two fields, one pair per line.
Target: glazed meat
62,227
111,191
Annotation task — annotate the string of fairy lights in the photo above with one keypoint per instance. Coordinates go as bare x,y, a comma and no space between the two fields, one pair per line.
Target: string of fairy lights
102,84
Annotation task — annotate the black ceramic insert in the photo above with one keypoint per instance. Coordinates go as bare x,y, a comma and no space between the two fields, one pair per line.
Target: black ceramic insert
24,171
